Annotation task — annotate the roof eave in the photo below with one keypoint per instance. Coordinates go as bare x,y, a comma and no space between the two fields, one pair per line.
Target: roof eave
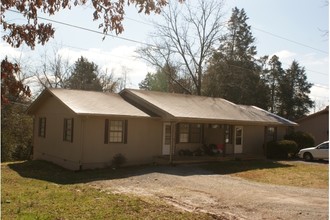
231,121
34,105
113,115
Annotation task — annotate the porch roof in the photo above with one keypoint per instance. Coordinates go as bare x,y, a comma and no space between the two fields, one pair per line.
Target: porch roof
190,107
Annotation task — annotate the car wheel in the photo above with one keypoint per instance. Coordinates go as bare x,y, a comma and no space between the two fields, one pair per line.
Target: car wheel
308,156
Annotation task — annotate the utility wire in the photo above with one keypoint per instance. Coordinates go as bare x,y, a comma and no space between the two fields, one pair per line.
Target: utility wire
258,29
151,24
154,46
292,41
132,58
87,29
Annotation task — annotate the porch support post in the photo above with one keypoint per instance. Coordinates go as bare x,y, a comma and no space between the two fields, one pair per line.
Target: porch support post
265,141
224,140
173,138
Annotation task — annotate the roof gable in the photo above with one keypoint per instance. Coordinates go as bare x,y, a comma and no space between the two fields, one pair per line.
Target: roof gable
89,103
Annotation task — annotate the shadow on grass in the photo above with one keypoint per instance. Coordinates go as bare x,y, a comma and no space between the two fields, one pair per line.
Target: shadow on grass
231,167
46,171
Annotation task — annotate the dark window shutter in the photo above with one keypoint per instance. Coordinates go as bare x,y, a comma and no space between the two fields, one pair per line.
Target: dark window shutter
64,129
45,127
72,126
189,133
39,128
177,133
106,131
202,134
125,131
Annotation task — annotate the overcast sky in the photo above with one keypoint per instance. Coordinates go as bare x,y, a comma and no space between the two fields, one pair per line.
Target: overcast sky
293,30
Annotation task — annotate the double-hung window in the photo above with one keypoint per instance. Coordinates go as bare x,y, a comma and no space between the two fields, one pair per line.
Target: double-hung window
184,133
195,133
189,133
115,131
68,130
271,133
42,127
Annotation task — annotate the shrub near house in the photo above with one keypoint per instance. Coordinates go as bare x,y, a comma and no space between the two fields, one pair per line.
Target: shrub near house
290,146
283,149
303,139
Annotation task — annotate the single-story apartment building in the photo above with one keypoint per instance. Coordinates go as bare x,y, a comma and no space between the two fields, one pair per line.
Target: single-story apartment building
86,129
316,124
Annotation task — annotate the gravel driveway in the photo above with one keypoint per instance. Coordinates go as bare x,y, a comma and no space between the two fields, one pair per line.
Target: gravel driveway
192,188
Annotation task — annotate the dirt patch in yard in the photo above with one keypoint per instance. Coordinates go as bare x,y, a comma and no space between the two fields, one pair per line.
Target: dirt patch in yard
192,188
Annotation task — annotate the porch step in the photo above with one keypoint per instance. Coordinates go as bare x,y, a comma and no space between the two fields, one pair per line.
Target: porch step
163,160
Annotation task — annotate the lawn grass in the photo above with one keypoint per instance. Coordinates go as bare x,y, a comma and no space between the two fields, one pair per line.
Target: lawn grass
290,173
40,190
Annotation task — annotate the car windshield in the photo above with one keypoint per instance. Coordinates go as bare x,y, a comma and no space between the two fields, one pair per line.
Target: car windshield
324,146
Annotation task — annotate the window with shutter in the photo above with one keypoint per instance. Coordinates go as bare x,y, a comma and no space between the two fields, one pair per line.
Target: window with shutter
68,130
42,127
115,131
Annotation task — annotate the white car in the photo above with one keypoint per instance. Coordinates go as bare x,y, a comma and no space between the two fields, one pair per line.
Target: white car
321,151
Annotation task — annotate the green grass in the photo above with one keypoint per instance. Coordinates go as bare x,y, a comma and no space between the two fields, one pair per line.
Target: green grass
40,190
276,172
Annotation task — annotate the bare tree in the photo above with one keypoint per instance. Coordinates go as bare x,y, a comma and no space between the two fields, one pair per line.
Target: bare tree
108,81
124,79
185,40
53,70
25,75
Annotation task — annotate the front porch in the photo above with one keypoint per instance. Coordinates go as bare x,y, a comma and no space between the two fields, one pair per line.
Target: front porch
178,159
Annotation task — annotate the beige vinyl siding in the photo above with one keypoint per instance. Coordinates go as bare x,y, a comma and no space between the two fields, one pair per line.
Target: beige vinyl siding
317,126
253,139
52,147
144,141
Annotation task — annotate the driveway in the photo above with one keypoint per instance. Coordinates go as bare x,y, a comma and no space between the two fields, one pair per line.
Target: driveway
192,188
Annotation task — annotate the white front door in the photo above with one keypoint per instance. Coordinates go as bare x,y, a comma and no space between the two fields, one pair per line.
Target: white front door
238,141
167,138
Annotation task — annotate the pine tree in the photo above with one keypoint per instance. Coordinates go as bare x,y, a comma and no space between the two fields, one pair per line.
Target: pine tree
294,89
234,73
271,77
84,76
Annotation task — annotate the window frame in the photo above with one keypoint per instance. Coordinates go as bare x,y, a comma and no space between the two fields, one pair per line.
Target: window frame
108,132
271,133
42,127
68,130
195,133
183,133
116,127
187,133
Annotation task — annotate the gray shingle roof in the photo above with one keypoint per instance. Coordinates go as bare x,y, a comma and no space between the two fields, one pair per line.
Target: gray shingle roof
177,106
92,103
186,107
